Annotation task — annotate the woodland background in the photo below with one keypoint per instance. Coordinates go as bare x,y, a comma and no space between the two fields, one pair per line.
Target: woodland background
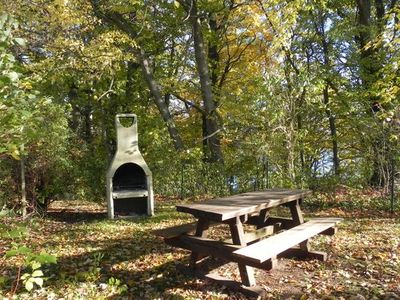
231,96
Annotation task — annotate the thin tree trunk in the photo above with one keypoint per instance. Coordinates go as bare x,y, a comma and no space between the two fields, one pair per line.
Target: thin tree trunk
300,127
124,25
290,125
87,113
333,131
380,12
159,100
326,99
299,103
24,202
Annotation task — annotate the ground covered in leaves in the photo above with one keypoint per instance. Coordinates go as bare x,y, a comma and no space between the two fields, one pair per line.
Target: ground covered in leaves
121,259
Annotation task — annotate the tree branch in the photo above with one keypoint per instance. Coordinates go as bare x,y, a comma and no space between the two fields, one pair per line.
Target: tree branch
190,103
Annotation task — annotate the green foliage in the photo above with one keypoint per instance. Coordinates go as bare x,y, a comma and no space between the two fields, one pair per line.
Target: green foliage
33,261
33,264
290,80
92,272
32,126
349,199
116,283
13,233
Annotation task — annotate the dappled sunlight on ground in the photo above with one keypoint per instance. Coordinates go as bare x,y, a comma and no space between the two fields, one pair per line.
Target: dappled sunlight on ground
111,259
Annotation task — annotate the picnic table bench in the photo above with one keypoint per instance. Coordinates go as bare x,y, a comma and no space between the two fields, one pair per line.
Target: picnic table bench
273,237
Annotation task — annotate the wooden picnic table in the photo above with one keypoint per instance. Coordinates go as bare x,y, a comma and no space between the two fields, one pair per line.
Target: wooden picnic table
250,249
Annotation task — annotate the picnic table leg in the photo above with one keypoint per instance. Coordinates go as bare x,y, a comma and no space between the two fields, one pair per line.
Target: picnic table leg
297,215
201,231
305,250
237,232
305,246
262,218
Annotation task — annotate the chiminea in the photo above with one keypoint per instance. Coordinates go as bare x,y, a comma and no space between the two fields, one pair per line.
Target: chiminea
129,179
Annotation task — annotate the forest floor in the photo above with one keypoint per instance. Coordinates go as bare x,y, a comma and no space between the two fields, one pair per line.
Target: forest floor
99,258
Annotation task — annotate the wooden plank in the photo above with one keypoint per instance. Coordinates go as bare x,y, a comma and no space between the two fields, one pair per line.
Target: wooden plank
264,214
256,235
202,245
201,231
215,248
209,263
297,215
330,231
276,244
246,272
222,209
301,254
285,223
175,230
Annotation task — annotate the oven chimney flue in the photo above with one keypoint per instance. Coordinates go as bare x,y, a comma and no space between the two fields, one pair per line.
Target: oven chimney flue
127,136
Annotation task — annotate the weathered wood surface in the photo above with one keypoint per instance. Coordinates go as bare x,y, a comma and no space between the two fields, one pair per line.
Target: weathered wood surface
202,232
174,231
237,233
252,249
215,248
330,231
302,254
203,245
222,209
271,247
283,223
256,235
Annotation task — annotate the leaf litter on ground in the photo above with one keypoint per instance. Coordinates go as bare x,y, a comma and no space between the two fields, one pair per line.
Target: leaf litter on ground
364,259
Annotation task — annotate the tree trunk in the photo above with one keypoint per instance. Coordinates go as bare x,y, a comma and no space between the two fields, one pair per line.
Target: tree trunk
370,65
213,55
325,94
210,106
332,128
159,100
364,20
124,25
131,69
300,102
291,119
87,129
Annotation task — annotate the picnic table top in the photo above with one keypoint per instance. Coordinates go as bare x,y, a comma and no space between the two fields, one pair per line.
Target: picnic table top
221,209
